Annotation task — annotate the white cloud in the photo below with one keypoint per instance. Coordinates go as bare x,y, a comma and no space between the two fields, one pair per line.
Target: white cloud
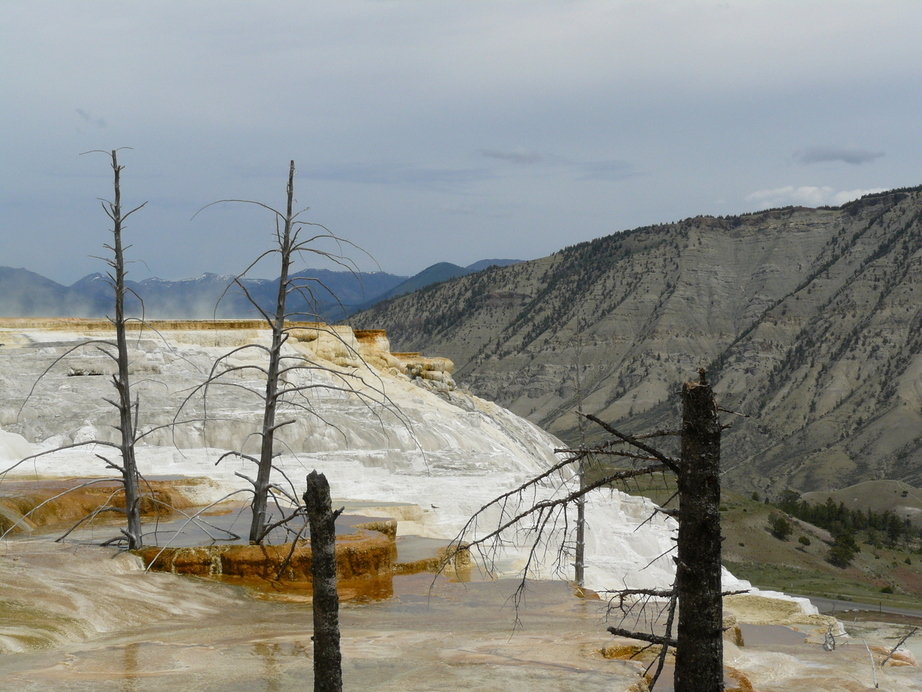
806,195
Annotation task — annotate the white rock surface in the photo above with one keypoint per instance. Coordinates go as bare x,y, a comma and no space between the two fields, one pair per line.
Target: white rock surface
389,441
443,457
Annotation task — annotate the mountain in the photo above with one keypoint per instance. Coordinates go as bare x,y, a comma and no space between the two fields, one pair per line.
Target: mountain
26,293
480,265
437,273
808,321
326,295
90,296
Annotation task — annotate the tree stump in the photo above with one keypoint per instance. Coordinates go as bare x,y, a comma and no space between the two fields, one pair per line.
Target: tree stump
328,676
699,656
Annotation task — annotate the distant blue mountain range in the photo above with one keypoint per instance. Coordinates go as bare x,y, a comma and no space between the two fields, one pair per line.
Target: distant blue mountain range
332,295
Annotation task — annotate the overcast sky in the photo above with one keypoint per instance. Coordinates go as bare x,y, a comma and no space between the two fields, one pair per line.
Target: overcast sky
436,130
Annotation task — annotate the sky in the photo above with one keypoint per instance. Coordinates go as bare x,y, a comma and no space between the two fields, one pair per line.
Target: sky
436,130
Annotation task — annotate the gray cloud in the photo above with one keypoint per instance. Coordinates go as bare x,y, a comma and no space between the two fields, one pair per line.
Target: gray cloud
411,136
824,154
394,174
518,156
612,169
87,118
606,170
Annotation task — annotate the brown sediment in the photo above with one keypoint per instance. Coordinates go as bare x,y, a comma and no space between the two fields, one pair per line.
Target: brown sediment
741,682
586,594
449,561
734,634
372,588
734,679
27,505
636,652
360,554
631,652
386,526
365,564
362,335
894,658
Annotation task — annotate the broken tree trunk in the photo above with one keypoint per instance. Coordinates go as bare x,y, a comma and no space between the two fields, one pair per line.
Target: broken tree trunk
699,656
328,675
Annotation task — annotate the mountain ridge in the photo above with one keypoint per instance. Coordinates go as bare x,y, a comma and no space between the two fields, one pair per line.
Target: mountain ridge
808,321
438,273
329,295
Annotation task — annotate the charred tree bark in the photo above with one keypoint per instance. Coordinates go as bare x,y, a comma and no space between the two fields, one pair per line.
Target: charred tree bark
327,657
699,654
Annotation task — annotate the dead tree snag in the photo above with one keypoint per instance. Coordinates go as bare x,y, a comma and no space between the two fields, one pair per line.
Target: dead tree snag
328,675
694,602
699,655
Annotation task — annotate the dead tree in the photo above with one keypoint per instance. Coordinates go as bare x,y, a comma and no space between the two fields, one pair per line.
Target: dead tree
328,676
279,336
695,597
121,380
699,655
118,351
281,389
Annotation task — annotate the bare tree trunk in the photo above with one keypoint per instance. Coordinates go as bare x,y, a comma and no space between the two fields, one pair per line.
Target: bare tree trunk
699,655
261,490
327,657
121,380
579,563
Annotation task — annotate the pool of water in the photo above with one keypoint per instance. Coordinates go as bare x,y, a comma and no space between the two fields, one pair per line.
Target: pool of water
161,631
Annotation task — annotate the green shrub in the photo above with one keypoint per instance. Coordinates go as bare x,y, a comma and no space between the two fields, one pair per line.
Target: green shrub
803,540
779,526
843,550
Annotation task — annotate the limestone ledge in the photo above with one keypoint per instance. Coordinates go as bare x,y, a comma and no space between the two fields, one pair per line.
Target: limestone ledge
366,563
340,345
366,554
28,506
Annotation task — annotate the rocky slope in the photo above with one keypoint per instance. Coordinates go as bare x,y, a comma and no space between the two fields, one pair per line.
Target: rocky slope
808,320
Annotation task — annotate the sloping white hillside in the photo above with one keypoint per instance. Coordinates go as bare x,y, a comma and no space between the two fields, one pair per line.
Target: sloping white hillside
398,438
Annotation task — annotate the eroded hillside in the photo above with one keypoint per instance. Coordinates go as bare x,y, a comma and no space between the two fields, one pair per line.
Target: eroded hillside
808,319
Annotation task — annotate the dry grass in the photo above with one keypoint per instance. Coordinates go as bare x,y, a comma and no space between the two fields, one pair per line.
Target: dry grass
878,496
752,553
